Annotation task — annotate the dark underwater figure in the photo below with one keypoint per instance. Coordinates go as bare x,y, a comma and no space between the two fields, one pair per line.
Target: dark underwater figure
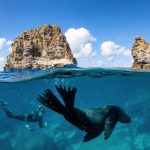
92,121
34,116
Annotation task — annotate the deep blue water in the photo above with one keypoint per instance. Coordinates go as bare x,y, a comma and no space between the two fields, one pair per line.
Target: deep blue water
95,86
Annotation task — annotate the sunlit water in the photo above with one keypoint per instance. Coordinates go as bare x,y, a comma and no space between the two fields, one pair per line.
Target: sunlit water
95,86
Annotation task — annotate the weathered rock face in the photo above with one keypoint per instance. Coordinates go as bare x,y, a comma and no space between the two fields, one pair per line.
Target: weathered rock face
141,54
44,47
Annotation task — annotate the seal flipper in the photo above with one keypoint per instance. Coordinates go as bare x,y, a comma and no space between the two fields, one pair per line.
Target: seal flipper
89,136
124,117
50,100
110,124
68,96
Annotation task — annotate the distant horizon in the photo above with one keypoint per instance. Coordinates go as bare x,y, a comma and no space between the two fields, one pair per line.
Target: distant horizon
100,33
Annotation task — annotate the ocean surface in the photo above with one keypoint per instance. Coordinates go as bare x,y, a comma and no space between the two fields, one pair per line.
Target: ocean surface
126,88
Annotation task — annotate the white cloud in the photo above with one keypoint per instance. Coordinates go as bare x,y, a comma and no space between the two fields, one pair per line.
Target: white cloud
115,55
96,63
110,50
80,41
9,43
127,53
5,49
2,59
2,42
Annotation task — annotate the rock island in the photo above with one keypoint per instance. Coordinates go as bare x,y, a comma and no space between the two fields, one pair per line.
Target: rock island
43,47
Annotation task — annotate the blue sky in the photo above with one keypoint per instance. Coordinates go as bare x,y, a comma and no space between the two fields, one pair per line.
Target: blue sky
112,24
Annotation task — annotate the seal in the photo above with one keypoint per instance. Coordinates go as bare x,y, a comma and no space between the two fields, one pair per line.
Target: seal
92,121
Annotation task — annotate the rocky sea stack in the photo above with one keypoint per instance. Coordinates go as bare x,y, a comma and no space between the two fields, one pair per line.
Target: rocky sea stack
141,54
43,47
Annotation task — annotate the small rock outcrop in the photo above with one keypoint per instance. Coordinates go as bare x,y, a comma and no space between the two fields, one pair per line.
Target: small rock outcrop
41,48
141,54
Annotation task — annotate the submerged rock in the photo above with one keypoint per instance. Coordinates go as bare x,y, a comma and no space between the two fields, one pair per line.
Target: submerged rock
141,54
43,47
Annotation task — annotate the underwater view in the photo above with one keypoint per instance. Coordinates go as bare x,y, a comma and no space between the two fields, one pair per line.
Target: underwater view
127,89
75,75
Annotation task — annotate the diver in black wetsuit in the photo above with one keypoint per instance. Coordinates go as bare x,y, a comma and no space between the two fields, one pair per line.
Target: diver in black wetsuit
34,116
93,121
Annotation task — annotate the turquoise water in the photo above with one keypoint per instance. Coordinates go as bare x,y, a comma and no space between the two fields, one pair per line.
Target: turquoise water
95,86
